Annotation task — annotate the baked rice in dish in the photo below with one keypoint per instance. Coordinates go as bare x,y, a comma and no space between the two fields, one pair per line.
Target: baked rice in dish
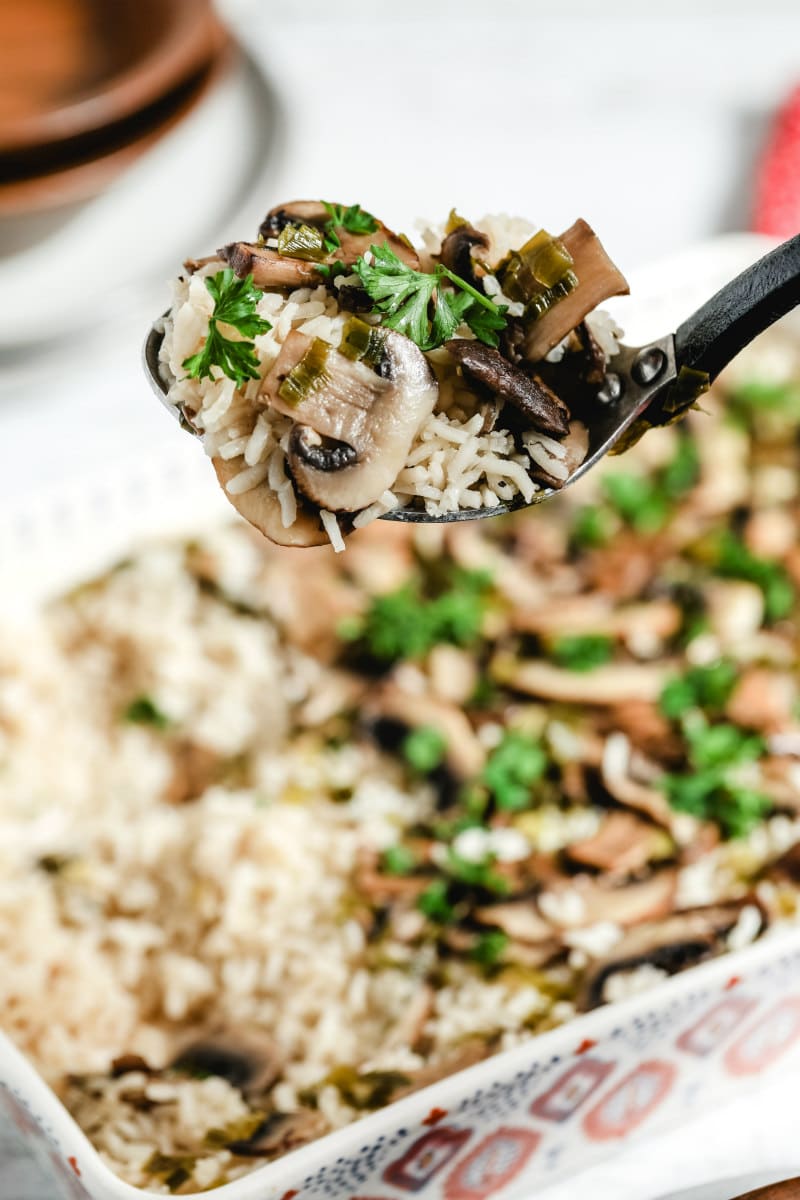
336,373
311,832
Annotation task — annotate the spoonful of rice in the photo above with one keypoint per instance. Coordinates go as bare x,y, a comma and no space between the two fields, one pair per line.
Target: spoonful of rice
336,374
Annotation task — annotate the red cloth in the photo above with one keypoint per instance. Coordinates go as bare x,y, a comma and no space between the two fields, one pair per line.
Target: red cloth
776,209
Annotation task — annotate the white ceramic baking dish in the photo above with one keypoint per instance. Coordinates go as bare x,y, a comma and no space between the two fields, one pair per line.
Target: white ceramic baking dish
523,1118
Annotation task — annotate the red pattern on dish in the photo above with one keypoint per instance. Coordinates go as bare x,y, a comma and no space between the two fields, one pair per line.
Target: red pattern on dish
767,1040
633,1100
715,1026
492,1164
428,1155
572,1089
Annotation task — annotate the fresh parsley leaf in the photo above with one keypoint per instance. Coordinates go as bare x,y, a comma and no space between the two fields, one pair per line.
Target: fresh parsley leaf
736,561
398,860
590,527
144,711
424,748
706,687
512,769
235,303
404,296
489,947
405,625
434,902
637,500
583,652
710,789
353,219
476,874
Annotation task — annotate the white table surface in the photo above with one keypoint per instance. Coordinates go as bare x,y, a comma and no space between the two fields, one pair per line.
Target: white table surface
644,117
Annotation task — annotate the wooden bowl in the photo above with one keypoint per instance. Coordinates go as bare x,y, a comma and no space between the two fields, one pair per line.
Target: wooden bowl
91,164
69,68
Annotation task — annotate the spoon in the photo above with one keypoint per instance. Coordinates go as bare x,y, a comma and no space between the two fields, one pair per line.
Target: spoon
640,379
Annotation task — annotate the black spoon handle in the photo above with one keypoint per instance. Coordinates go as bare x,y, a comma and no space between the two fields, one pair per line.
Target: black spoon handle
745,307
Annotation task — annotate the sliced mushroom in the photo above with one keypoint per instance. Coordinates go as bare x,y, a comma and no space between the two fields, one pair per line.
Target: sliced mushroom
520,919
609,684
541,407
194,768
296,212
269,268
583,900
622,845
365,422
763,699
672,945
279,1133
261,507
457,247
598,279
249,1060
464,753
471,1051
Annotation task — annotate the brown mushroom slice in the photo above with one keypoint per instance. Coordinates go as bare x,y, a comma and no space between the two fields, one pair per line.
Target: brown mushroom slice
598,279
622,845
472,1050
457,247
584,900
487,367
519,919
609,684
269,268
261,507
465,755
682,940
295,212
359,425
279,1133
248,1059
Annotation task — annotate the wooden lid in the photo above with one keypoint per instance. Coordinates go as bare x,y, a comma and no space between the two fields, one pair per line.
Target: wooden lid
69,68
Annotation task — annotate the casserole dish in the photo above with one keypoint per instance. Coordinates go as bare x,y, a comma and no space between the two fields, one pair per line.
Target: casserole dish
545,1107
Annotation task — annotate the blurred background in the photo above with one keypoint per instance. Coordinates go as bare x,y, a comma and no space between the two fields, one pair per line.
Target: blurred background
136,132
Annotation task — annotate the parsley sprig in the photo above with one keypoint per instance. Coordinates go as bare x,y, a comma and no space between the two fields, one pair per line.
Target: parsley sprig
235,304
353,219
418,304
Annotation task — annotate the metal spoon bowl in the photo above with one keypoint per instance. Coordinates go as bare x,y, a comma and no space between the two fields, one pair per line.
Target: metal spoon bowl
656,382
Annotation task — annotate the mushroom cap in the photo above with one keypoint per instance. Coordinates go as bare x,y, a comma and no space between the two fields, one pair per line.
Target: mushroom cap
382,435
261,507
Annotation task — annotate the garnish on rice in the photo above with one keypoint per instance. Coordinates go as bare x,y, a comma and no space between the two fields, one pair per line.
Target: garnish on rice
347,406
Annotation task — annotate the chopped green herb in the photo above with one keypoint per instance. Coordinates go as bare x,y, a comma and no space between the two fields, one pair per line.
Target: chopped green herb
489,947
353,220
398,860
756,396
706,687
424,748
514,766
682,473
405,625
476,874
434,902
235,304
366,1089
418,305
637,500
583,652
144,711
590,527
736,561
711,790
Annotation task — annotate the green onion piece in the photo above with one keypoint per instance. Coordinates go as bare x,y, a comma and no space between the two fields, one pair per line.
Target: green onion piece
310,374
539,274
583,652
361,341
489,947
302,241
